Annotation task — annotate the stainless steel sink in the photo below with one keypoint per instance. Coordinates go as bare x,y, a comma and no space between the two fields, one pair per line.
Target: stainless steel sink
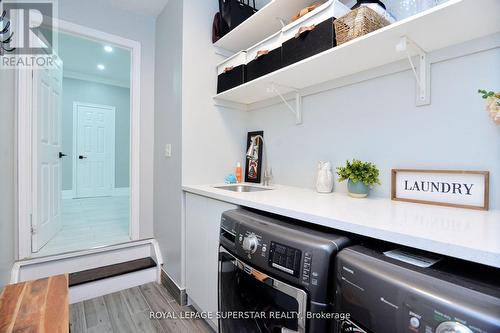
243,188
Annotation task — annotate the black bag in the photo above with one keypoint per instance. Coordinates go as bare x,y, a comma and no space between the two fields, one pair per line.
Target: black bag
216,28
233,13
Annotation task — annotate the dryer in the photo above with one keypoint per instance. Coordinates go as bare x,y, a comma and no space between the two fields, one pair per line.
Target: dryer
385,295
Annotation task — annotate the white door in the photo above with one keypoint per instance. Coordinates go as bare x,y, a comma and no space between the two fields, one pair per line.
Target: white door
47,173
94,153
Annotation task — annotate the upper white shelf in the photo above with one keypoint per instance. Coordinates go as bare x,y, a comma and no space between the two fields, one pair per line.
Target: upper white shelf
261,24
453,22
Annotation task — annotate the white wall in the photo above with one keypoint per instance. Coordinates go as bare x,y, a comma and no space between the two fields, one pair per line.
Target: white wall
378,121
207,141
101,16
213,138
168,123
8,190
102,94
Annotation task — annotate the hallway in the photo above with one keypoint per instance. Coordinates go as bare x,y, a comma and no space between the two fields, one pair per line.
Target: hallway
89,223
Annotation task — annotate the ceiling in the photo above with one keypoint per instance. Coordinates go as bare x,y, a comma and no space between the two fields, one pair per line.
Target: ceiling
144,7
81,57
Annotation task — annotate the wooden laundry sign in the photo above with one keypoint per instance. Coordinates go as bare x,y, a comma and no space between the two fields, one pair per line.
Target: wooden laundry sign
463,189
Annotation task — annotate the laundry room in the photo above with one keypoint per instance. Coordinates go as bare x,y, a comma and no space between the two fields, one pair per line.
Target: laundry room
258,166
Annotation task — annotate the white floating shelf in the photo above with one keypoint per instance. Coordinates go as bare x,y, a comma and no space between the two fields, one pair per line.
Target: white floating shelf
451,23
261,24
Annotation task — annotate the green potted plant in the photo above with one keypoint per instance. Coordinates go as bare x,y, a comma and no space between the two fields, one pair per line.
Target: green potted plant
360,176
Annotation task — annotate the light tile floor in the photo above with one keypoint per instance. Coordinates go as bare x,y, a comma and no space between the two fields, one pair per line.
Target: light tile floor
89,223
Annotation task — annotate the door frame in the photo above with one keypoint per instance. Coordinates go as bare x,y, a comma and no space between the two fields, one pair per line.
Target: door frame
75,146
24,84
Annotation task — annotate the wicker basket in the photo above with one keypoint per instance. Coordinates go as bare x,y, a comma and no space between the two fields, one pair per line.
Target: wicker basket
356,23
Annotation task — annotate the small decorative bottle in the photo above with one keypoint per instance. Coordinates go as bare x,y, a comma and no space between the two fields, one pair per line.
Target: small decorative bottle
238,173
324,180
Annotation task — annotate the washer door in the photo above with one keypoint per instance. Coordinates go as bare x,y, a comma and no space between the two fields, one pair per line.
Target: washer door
251,301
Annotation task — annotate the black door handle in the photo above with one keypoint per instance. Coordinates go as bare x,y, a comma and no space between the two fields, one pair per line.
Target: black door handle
61,155
82,157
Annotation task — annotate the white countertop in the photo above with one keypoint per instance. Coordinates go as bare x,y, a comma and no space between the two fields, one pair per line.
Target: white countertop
462,233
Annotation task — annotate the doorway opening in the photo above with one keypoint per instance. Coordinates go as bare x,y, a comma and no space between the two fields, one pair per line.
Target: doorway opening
79,183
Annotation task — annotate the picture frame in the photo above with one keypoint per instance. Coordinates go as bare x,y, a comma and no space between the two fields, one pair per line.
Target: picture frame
253,167
450,188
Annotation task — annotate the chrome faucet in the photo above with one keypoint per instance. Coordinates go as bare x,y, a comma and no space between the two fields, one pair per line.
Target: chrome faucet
252,154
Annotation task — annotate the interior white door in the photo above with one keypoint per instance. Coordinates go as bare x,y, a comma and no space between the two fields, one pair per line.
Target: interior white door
94,154
47,172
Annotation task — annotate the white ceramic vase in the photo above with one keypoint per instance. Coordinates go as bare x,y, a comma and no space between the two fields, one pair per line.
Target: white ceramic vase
324,179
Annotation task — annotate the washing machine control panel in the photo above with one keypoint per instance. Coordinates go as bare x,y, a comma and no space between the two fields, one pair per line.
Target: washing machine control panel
285,258
250,243
285,250
260,249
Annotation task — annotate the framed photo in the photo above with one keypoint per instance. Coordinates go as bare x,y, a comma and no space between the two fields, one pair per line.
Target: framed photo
462,189
253,167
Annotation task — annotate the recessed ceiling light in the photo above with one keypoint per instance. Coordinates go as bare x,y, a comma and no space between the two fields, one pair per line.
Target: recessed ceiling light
108,49
101,67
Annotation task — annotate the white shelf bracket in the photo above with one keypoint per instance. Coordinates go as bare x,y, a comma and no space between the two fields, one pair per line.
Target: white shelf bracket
421,71
297,110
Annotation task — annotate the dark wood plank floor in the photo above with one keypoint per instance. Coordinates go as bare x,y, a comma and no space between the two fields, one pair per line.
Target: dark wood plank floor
129,311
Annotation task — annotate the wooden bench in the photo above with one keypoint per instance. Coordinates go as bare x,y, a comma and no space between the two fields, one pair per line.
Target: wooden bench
35,306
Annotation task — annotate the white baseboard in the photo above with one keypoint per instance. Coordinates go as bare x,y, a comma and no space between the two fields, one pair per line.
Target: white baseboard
67,194
117,192
121,191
